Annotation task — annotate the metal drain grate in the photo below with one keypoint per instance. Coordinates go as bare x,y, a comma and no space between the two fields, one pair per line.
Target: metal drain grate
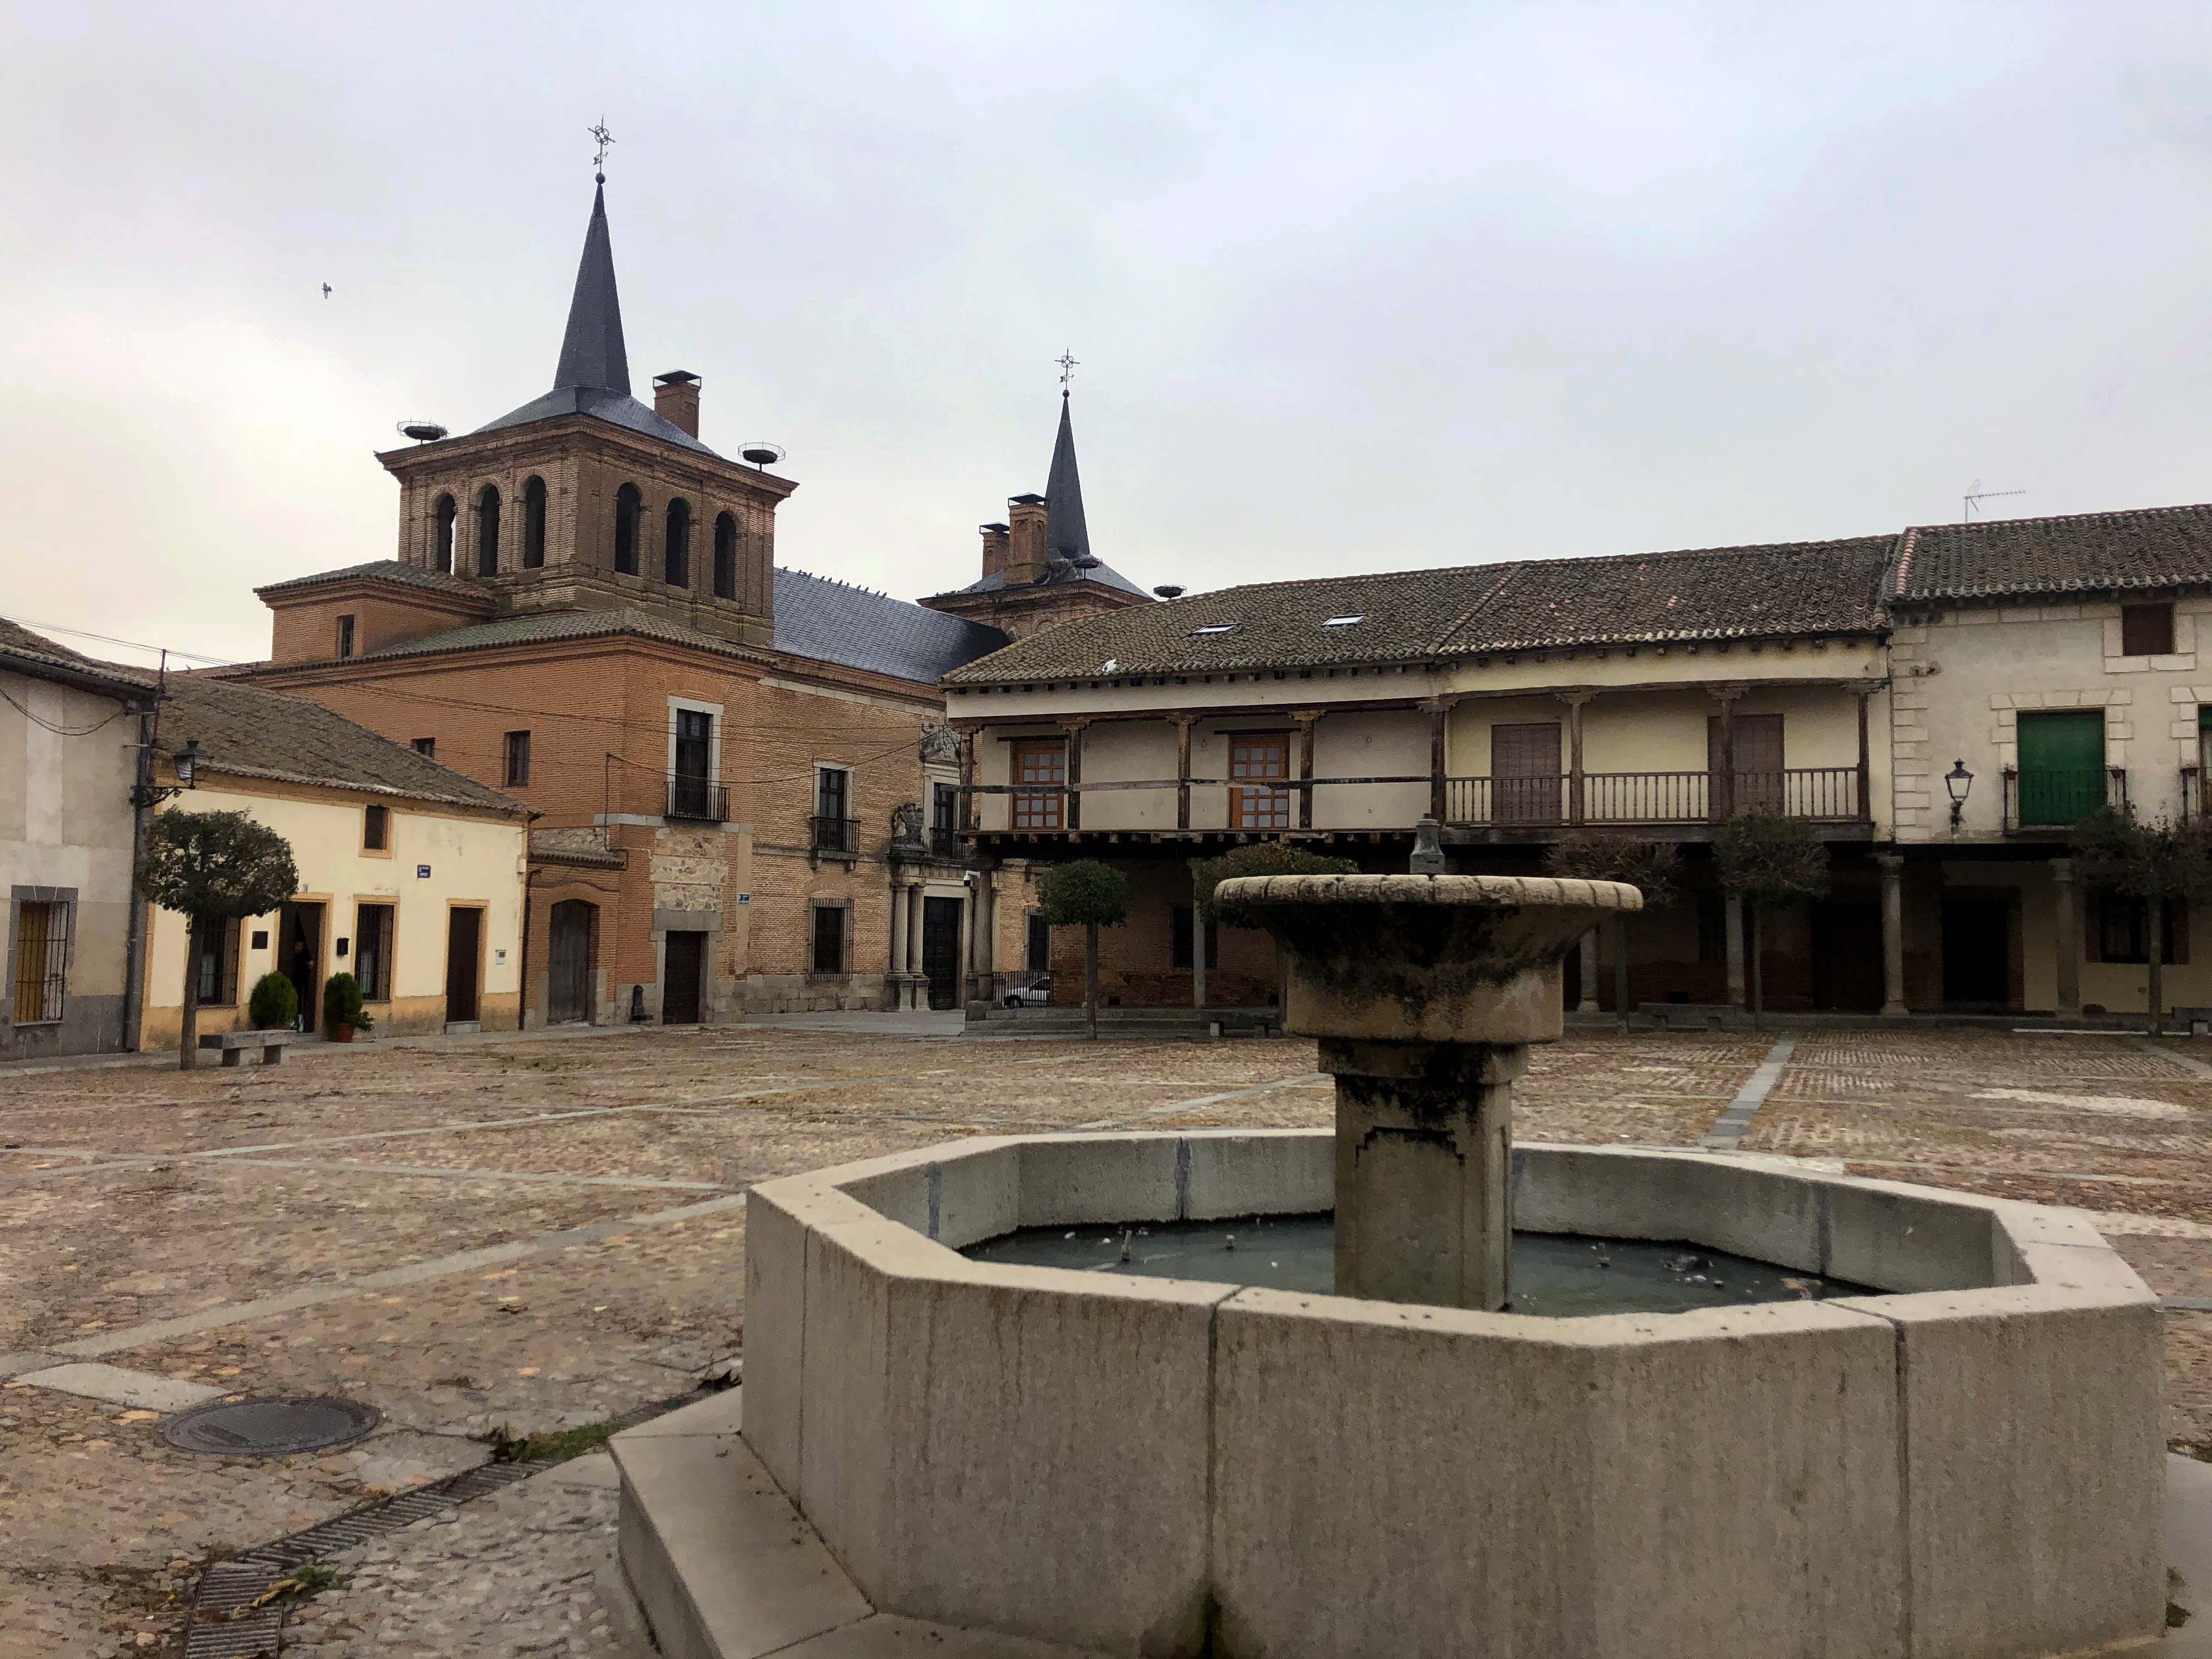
271,1428
224,1623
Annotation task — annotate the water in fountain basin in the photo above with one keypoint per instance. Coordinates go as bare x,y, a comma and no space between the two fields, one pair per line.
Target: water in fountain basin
1558,1274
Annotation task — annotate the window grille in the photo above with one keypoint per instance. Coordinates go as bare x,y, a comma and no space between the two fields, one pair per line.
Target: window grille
518,758
828,939
345,636
372,951
216,947
42,954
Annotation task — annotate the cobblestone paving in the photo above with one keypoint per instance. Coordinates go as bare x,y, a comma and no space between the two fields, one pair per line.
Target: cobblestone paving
536,1234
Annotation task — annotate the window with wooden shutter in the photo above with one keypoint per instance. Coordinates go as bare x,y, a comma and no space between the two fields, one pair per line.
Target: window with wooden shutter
1040,771
2146,630
1525,773
1254,758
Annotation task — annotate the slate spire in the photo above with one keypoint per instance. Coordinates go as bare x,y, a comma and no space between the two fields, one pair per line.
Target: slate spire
1066,535
591,353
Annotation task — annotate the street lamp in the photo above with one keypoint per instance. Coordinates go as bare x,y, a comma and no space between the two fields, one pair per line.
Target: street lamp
187,761
1958,780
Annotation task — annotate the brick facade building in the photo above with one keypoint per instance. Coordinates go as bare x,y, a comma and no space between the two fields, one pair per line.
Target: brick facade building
746,792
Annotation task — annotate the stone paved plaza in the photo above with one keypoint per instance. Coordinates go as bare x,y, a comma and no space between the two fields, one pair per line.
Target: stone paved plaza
535,1234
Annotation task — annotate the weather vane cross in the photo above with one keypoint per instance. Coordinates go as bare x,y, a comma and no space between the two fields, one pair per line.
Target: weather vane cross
599,161
1067,366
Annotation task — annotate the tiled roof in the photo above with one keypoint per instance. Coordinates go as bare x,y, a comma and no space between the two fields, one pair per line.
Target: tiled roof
815,618
2153,547
1734,592
247,731
384,570
34,653
832,622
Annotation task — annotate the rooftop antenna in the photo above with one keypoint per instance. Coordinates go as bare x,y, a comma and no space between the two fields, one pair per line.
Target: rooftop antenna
599,161
1970,504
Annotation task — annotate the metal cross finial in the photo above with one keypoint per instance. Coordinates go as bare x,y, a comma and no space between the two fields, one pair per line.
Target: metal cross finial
1067,366
600,161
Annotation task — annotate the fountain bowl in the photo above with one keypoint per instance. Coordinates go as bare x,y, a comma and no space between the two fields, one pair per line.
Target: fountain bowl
1967,1464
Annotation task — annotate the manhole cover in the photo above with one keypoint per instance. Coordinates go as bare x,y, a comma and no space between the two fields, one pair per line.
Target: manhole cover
270,1428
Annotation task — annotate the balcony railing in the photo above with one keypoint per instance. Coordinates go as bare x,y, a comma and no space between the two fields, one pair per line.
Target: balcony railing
836,835
699,799
1826,794
944,841
2058,798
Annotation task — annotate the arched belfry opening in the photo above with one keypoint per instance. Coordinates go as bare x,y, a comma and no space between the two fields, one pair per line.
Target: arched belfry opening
726,556
676,564
488,531
442,515
629,507
533,523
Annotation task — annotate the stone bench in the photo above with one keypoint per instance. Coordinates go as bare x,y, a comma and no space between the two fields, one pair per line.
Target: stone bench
233,1045
1693,1016
2195,1021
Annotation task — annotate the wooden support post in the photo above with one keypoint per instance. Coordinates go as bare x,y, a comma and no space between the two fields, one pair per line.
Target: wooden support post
1865,764
1438,707
1183,723
1307,719
1722,780
1072,817
968,781
1574,701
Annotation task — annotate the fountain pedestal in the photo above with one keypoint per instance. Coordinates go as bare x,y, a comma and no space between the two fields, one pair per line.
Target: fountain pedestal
1426,991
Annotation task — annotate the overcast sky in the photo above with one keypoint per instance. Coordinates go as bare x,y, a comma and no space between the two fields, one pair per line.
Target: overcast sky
1353,288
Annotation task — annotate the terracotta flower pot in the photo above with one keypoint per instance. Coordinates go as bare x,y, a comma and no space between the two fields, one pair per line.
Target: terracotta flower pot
343,1033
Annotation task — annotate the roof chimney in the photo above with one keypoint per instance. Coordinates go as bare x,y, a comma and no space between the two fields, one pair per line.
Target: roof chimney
995,544
676,400
1026,554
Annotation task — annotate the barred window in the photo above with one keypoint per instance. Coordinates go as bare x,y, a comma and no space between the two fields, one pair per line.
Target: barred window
42,953
828,939
372,951
215,956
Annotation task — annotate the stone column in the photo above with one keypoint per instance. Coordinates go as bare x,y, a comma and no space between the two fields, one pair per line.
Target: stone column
913,928
2067,929
1197,942
898,937
986,931
967,944
1891,866
1588,1004
1735,929
1423,1166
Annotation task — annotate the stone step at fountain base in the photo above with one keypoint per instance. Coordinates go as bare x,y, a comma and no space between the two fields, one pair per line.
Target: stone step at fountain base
723,1567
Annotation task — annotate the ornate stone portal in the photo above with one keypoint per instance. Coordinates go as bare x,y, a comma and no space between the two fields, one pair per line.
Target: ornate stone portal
1426,991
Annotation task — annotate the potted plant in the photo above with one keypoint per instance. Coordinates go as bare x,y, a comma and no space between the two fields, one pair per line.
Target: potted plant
341,1009
275,1004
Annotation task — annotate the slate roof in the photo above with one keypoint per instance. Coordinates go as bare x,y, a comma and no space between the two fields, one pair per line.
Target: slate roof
592,377
1066,534
35,654
1733,593
386,570
1057,575
247,732
2157,547
832,623
815,617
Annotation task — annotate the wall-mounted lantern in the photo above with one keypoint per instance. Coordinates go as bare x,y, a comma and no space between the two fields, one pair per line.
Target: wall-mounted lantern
1958,780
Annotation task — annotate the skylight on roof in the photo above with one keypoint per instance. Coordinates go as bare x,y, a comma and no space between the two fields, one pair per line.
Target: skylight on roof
1344,621
1216,627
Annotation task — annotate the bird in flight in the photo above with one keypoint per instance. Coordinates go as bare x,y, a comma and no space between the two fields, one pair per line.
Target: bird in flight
326,290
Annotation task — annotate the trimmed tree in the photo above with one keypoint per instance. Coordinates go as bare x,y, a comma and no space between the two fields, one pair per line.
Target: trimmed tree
1653,867
213,869
1262,858
2156,863
1769,858
1088,895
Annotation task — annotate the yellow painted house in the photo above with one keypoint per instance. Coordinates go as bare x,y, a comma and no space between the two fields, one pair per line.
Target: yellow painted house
411,874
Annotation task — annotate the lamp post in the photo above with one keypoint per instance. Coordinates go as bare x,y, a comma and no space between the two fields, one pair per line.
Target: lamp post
1958,780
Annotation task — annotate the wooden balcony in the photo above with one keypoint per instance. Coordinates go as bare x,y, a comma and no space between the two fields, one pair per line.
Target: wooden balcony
1823,794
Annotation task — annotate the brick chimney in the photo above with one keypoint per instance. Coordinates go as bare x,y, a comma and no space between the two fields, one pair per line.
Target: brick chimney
995,543
1025,553
676,400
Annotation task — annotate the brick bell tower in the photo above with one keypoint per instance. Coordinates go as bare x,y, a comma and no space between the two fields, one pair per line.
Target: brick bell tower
584,499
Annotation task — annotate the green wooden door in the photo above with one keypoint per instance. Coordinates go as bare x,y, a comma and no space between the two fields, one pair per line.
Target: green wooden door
2062,766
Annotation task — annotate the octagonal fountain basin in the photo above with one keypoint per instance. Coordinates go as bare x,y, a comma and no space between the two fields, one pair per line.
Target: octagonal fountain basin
1962,1461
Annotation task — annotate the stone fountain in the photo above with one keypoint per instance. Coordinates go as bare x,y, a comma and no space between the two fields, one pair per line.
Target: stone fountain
1954,1454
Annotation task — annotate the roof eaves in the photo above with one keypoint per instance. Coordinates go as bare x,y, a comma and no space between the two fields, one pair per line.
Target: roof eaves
505,805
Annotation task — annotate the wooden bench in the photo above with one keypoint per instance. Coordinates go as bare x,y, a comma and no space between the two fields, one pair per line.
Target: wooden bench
233,1045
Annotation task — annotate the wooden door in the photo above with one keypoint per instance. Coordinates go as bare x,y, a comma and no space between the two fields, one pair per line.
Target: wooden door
1040,769
1524,773
683,966
463,964
1254,759
940,951
2062,766
568,961
1846,955
1755,782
